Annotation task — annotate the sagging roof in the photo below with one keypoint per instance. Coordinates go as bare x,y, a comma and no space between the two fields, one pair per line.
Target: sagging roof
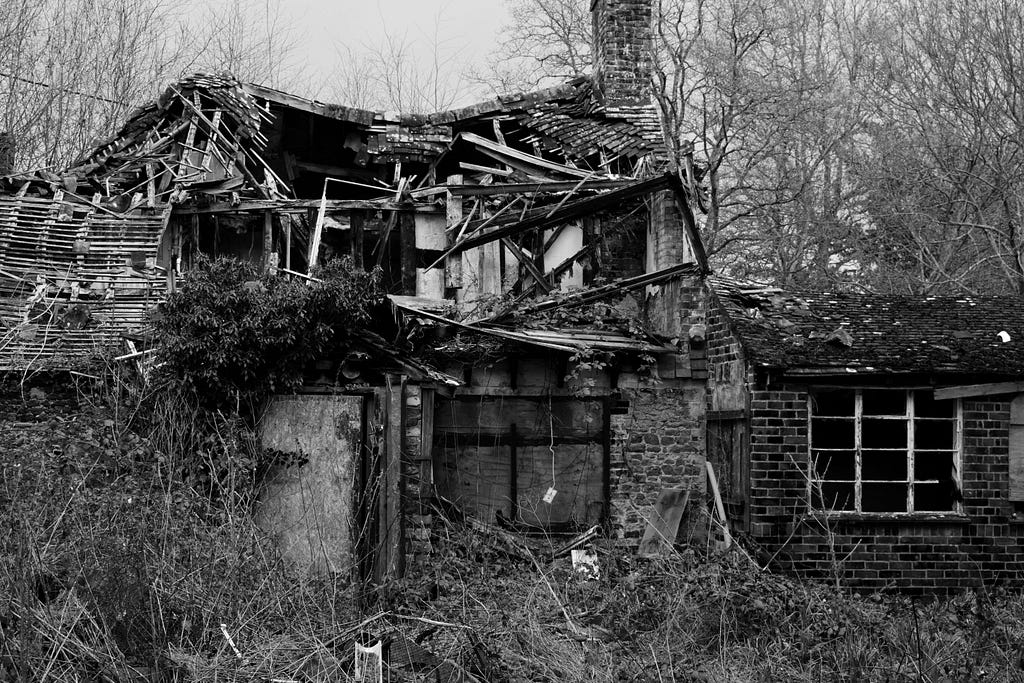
843,334
531,330
93,238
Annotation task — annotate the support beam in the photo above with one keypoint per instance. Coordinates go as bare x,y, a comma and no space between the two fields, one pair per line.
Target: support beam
969,390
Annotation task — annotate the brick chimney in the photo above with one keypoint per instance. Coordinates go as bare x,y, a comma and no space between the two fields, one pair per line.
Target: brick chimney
622,58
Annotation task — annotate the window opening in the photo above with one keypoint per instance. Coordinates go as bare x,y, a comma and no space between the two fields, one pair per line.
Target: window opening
884,450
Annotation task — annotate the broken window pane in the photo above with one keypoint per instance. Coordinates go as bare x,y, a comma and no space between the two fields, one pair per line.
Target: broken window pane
925,405
838,402
933,466
885,402
883,497
837,495
933,434
835,464
934,497
832,433
879,433
873,449
884,465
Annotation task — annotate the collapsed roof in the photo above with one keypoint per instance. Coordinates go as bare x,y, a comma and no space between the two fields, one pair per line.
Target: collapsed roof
86,251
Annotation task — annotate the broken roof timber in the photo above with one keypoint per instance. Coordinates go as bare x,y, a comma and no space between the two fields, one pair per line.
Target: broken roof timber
969,390
624,285
565,340
302,205
332,111
514,157
567,212
536,188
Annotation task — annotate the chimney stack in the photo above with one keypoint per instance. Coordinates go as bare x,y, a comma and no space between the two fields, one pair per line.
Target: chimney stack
622,54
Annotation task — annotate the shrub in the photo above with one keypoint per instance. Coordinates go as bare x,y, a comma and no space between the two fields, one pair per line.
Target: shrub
233,335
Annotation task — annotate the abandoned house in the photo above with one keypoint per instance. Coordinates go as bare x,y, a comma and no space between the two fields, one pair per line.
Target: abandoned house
535,248
563,361
877,438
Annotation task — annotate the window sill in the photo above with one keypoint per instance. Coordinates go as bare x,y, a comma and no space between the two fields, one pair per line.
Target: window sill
896,517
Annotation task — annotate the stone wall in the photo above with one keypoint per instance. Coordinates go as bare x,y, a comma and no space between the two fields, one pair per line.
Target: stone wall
657,443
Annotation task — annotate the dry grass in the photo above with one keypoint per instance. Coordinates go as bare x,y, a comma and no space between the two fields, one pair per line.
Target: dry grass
113,569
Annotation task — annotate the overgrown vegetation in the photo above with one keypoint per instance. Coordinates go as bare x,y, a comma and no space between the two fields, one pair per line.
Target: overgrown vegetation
233,335
229,338
114,569
129,550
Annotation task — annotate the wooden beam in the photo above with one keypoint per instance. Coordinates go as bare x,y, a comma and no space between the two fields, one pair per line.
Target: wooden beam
332,170
1016,449
299,206
530,266
532,188
268,240
514,154
568,212
466,166
407,245
968,390
356,219
286,224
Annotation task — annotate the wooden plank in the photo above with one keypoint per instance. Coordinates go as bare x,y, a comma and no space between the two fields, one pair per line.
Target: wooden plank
407,248
389,539
356,221
466,166
318,229
1016,450
719,506
526,188
528,263
426,454
523,157
268,241
969,390
286,222
299,206
567,212
663,520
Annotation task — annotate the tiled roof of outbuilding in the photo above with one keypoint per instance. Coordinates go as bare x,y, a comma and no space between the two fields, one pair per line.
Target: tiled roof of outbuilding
869,333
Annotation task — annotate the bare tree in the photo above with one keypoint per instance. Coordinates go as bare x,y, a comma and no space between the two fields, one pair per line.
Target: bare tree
74,68
399,73
544,40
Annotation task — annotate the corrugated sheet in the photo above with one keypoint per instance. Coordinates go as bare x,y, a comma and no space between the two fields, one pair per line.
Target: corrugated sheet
73,279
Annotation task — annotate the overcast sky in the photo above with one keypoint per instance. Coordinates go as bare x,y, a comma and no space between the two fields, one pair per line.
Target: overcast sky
468,27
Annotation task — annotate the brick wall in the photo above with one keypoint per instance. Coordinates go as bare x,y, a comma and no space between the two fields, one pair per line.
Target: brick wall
622,62
669,243
920,556
657,442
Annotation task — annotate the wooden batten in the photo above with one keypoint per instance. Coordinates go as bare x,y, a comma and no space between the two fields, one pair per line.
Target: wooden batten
1016,450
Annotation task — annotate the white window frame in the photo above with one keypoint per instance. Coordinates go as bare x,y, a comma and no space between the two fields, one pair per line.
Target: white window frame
813,480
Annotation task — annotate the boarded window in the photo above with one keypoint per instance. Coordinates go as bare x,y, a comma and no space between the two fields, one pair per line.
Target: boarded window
884,450
498,457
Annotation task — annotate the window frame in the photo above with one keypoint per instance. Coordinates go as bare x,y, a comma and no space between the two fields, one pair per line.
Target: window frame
814,479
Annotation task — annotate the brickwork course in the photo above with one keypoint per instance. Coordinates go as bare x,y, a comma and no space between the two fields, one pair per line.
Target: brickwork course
759,342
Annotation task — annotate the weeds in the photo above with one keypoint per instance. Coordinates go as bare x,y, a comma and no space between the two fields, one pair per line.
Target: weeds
115,566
